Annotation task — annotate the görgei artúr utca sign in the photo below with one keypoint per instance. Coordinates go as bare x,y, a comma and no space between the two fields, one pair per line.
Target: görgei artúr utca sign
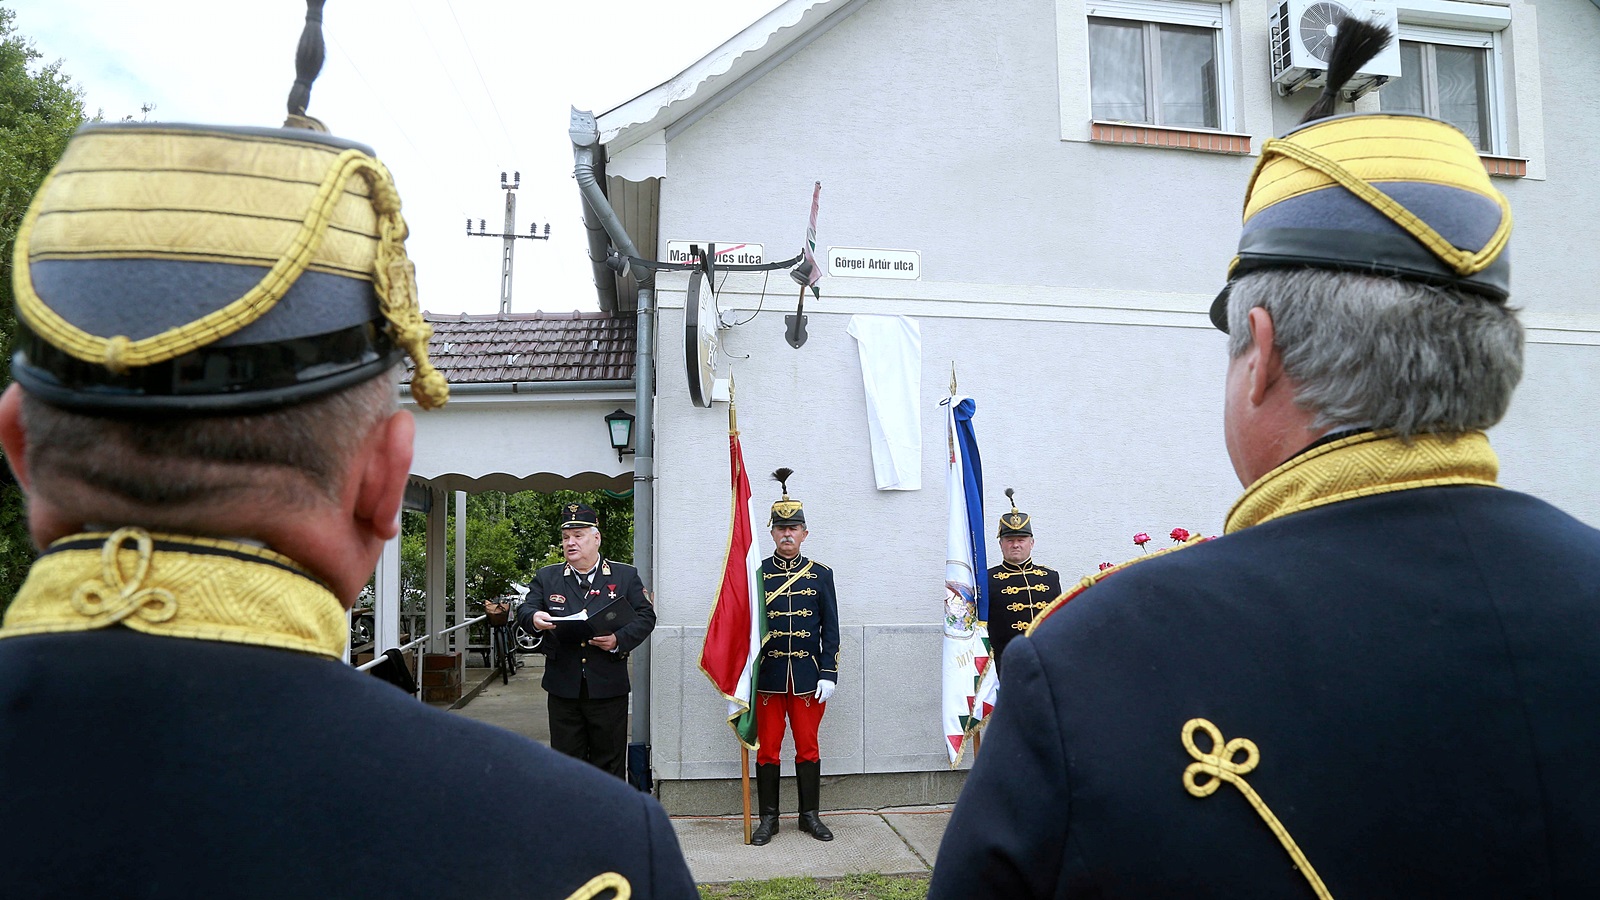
860,262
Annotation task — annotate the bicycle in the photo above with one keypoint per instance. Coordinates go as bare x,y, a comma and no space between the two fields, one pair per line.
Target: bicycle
502,641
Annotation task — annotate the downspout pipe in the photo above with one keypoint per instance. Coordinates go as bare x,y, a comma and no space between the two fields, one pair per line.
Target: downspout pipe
586,150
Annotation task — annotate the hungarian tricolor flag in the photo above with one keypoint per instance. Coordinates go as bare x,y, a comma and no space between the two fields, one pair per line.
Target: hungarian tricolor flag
737,627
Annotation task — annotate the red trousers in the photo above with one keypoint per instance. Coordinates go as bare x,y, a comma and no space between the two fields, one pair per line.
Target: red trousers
805,715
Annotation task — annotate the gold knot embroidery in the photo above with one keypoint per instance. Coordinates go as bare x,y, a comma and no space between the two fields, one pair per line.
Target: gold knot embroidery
112,598
1202,778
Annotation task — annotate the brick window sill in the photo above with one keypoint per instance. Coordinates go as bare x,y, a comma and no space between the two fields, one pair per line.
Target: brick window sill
1201,139
1505,166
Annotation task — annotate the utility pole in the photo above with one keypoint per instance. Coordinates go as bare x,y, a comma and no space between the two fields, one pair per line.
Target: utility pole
508,236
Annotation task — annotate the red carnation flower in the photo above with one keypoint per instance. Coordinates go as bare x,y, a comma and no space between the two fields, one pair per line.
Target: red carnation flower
1105,566
1180,535
1141,539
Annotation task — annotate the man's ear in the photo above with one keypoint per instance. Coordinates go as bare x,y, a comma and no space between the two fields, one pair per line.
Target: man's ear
381,468
12,435
1266,365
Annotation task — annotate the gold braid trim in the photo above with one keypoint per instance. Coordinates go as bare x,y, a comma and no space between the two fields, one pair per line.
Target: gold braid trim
1218,766
610,881
1364,465
394,281
177,586
1463,262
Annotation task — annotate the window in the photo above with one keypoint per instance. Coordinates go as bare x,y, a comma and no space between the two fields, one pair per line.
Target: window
1452,67
1158,63
1453,81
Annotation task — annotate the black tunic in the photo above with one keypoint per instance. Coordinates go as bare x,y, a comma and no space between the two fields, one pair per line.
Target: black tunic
557,591
802,644
1418,669
1017,593
134,765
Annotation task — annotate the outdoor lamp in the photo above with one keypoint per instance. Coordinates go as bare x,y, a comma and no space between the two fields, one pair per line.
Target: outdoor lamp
621,425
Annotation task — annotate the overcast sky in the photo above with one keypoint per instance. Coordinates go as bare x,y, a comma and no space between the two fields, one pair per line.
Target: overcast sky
450,93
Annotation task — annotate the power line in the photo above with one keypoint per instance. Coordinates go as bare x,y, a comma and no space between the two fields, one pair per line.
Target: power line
376,96
481,80
451,78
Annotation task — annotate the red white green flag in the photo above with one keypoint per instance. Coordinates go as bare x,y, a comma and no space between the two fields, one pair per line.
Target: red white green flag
737,627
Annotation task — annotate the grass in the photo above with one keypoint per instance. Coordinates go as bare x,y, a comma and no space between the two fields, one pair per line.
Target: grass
850,887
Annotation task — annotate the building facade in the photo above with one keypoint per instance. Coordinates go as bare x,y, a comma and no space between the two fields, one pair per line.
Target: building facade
1066,178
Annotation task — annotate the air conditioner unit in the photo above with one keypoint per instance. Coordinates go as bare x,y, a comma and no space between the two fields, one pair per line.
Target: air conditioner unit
1303,32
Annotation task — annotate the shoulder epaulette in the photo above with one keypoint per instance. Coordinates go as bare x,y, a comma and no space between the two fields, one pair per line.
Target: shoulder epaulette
1089,581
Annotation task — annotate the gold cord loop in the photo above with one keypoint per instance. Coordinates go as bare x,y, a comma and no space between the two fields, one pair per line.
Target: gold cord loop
1221,764
610,881
114,598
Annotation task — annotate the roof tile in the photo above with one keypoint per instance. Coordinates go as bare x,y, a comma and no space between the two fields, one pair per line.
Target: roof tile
539,346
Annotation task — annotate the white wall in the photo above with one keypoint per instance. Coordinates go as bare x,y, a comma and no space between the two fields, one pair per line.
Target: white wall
1069,281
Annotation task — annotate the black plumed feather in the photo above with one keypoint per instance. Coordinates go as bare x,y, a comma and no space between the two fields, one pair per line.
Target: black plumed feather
781,476
1009,492
1358,42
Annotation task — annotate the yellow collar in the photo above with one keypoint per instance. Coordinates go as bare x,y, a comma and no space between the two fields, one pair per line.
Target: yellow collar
178,586
1363,465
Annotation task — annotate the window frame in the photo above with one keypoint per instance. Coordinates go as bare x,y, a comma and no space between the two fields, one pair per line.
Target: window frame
1153,13
1476,38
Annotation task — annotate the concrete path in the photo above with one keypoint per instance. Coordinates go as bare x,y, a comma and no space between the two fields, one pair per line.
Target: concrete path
890,841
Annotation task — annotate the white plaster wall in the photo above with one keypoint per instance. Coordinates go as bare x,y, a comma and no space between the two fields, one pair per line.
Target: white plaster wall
1068,279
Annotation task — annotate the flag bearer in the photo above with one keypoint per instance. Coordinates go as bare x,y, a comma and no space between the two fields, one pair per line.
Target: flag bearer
1019,588
799,666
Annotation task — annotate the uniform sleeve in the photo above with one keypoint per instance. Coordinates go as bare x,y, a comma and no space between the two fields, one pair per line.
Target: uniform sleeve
533,602
1008,833
828,666
635,632
669,872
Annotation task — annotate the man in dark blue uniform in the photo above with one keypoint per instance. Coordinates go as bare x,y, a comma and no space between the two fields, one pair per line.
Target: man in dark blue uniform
212,325
1019,588
586,673
799,667
1380,681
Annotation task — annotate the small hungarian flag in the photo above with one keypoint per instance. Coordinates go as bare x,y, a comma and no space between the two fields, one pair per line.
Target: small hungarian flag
737,627
808,272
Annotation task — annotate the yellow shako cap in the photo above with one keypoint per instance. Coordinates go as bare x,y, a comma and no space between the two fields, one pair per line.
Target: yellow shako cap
1394,195
202,269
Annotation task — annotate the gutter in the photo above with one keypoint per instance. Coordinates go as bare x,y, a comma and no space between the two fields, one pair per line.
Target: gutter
536,387
588,156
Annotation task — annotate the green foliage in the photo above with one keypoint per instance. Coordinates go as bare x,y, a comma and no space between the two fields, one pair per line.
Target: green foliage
509,536
38,113
850,887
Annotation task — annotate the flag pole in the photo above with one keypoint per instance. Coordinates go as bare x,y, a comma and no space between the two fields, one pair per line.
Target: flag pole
744,752
744,776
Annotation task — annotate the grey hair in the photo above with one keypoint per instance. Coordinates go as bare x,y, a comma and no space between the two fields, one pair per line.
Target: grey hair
1370,351
180,461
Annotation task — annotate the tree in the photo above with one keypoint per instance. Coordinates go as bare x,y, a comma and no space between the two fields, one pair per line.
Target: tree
38,113
509,536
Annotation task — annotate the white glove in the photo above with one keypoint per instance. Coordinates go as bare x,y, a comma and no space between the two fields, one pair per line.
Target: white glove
824,690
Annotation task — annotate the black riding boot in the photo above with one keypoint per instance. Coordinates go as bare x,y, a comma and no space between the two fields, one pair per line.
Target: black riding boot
767,803
808,776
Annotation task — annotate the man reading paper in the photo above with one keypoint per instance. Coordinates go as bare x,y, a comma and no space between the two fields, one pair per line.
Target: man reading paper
586,674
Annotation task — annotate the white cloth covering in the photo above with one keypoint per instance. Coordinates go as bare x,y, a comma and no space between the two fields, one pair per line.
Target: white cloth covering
891,370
